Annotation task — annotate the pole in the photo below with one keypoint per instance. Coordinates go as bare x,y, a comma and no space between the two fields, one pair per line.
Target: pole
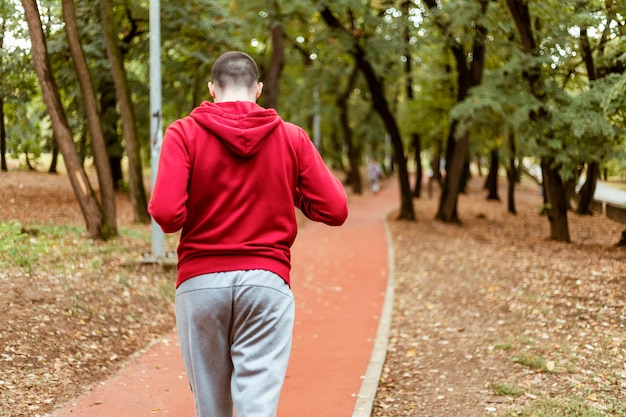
317,137
158,245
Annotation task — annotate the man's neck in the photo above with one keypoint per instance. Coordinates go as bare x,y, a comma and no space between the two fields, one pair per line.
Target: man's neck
235,95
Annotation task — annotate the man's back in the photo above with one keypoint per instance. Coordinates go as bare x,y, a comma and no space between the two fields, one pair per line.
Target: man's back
246,168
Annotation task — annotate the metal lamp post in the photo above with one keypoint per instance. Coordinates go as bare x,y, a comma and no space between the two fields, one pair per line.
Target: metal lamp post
156,135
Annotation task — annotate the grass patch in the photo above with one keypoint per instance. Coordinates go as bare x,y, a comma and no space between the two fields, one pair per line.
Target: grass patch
26,247
506,390
530,361
504,346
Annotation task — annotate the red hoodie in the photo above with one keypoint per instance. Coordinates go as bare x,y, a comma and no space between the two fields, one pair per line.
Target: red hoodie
230,175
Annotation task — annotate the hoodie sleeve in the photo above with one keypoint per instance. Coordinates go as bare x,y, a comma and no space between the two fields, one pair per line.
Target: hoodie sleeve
320,195
168,202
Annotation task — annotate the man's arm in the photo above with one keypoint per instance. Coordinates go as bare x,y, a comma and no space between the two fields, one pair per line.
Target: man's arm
168,202
320,195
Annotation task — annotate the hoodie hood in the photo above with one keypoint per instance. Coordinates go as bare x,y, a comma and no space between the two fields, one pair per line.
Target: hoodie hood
241,125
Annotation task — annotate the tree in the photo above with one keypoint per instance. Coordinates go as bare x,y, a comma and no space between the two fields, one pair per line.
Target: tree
452,77
416,141
608,65
353,150
542,102
98,144
379,103
593,168
553,184
469,66
137,190
569,129
90,208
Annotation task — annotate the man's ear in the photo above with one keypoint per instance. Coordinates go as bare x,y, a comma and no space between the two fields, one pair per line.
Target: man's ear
259,89
211,89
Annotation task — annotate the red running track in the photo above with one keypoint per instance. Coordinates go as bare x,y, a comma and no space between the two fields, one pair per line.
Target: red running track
339,279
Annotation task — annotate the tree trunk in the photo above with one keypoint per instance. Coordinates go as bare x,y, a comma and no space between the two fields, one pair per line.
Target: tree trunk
593,168
3,138
3,132
419,170
375,85
447,211
466,175
110,118
512,174
82,143
407,211
354,179
469,74
277,62
416,141
588,189
554,190
435,163
55,158
570,191
133,150
557,205
491,183
90,208
29,165
105,180
354,154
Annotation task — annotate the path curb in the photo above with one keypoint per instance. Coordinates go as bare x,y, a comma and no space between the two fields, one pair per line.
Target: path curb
369,386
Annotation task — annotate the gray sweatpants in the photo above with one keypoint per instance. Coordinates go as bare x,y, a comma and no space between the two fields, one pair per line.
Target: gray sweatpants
235,331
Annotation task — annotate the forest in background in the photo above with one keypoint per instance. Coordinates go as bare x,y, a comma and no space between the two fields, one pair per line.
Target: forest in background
427,86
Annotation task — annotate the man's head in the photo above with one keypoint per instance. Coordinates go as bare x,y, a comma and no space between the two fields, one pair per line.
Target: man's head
235,78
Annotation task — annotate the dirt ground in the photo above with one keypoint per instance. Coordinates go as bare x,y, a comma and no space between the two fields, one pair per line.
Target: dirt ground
490,318
74,310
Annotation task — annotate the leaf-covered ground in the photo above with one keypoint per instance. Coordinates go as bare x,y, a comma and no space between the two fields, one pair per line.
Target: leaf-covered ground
73,309
490,318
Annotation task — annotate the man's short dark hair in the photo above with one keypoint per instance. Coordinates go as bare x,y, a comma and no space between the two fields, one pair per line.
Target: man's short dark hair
235,69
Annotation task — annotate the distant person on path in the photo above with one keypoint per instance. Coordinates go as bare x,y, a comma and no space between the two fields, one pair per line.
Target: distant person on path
374,173
434,175
229,176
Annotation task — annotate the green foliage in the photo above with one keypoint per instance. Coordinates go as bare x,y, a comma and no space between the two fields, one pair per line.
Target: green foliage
581,121
25,131
614,99
25,122
189,46
585,121
576,129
